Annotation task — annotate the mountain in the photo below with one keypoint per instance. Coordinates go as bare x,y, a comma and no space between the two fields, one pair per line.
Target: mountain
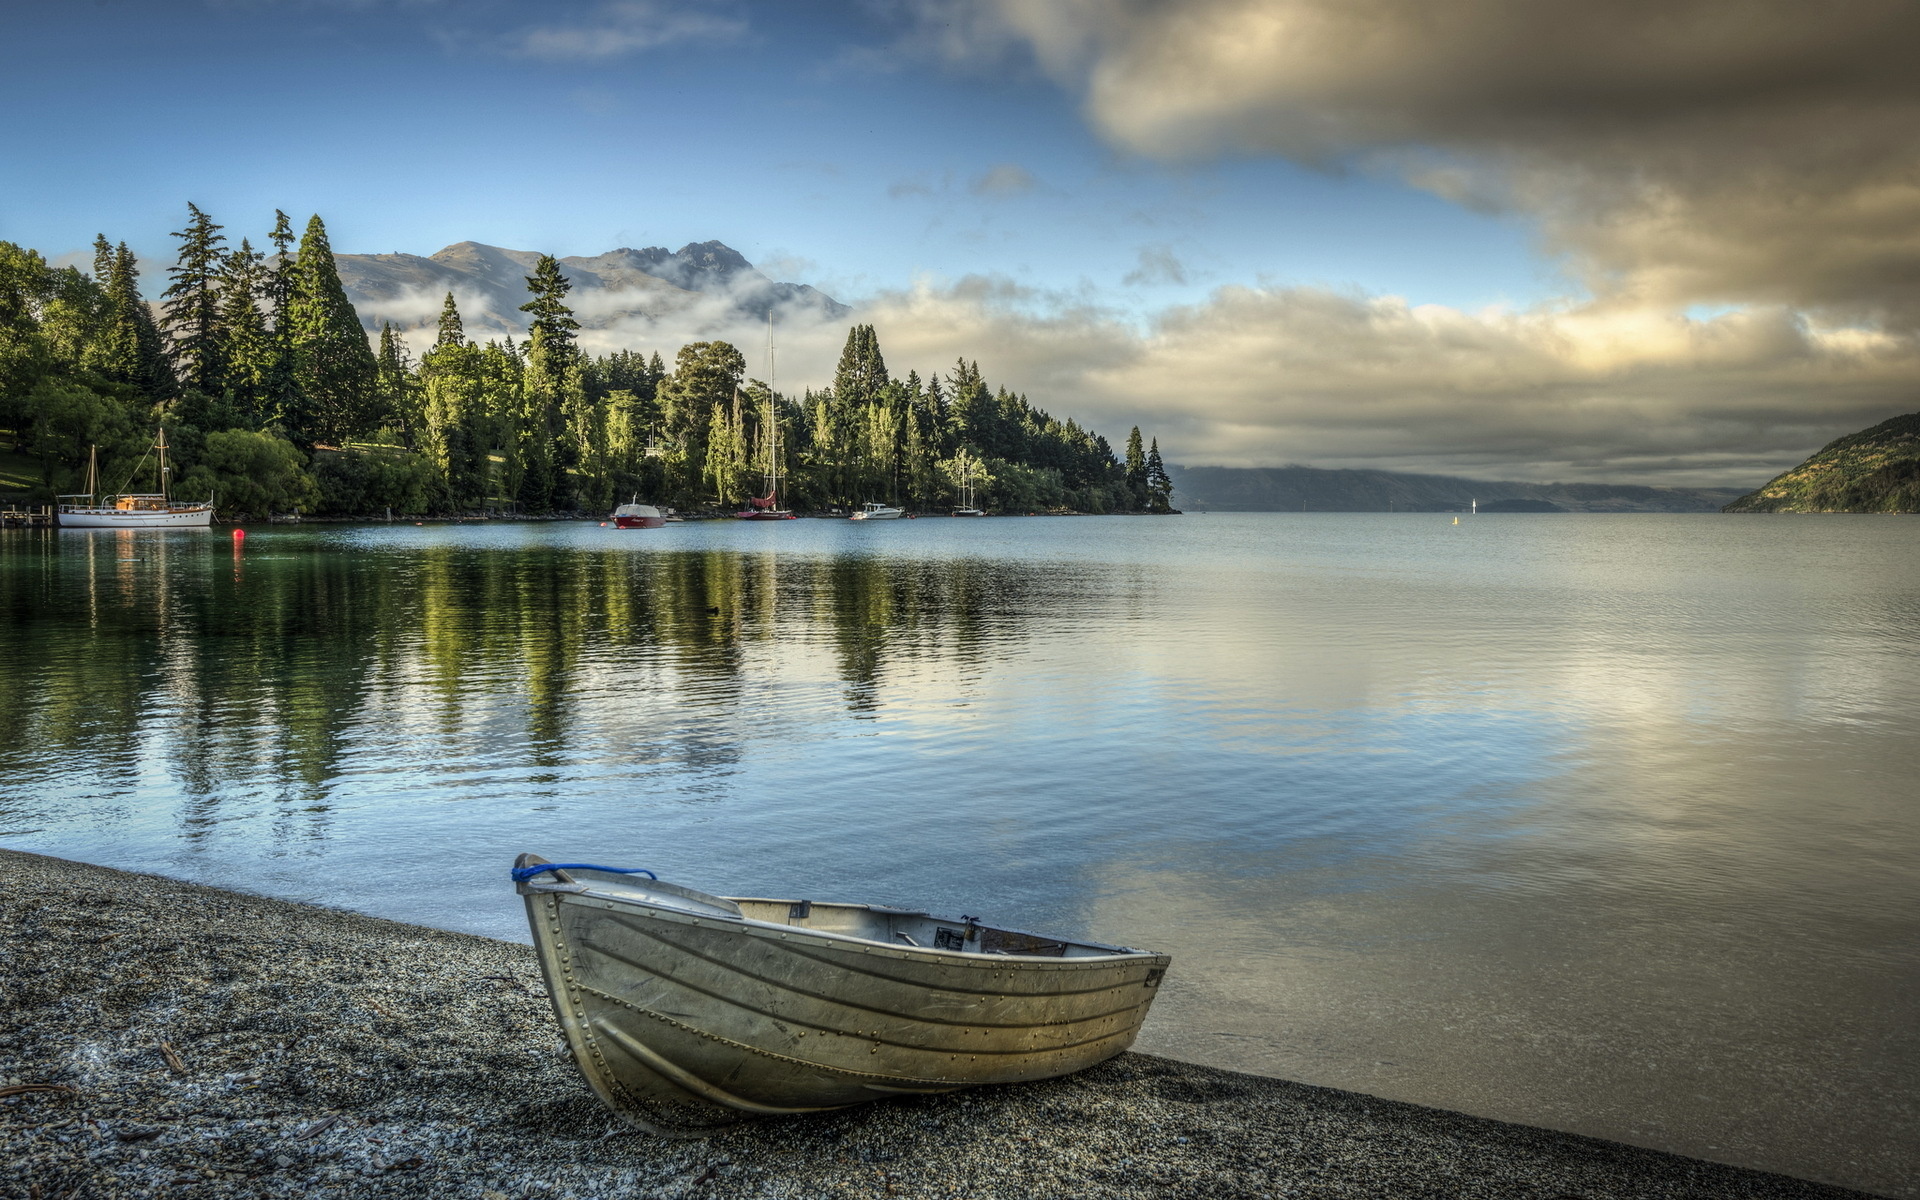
1875,470
1294,489
489,284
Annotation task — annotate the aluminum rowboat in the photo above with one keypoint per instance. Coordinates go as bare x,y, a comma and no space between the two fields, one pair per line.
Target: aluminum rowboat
686,1011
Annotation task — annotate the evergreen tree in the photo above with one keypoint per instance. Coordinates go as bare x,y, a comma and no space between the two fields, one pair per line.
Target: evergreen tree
102,259
553,325
397,404
193,306
1136,469
452,332
1159,485
280,402
246,342
862,371
547,437
136,352
334,369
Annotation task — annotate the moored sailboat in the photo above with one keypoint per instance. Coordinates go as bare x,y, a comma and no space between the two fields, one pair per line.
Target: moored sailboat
133,510
767,507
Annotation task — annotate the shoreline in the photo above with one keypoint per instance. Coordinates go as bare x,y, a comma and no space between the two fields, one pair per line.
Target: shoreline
202,1042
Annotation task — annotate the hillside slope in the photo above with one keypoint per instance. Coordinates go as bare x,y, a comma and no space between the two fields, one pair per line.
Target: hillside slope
1313,489
1874,471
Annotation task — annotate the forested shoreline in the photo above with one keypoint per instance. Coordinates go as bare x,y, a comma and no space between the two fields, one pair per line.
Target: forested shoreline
276,400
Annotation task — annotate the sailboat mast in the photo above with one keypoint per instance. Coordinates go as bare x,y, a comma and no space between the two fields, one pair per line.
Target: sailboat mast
160,444
773,423
93,473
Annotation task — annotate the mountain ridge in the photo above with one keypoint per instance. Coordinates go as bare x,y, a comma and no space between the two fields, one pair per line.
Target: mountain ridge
1318,489
1874,470
625,284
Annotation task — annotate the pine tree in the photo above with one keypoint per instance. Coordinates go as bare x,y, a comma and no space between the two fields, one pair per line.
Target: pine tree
862,371
1136,469
1159,485
549,446
397,406
135,351
193,306
553,324
246,342
452,332
280,400
334,369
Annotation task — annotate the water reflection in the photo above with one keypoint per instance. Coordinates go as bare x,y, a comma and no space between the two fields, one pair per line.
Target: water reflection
1598,823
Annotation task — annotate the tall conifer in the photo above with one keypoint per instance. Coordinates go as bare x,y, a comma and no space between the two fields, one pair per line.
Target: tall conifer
452,331
193,306
1136,468
247,343
136,352
1159,485
334,369
550,441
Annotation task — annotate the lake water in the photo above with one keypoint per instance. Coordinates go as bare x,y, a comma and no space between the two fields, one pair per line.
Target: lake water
1603,823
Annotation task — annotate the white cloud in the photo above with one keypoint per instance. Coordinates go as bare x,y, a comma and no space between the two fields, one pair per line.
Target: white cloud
623,28
1003,179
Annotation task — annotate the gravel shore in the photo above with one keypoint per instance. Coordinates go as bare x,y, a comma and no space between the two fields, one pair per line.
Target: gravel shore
162,1038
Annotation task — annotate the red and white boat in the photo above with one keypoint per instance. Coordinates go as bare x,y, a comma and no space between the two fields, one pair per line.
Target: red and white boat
638,516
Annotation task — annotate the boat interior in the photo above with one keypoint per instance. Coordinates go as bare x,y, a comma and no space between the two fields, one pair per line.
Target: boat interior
870,922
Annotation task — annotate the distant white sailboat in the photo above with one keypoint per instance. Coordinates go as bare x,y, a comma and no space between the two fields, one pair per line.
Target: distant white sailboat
966,508
141,510
767,507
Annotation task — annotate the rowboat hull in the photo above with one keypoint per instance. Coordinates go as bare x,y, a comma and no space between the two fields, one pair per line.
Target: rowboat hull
684,1017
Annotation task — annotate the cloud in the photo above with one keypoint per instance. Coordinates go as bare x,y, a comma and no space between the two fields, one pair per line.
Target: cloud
1262,376
1003,179
623,28
1157,265
1721,150
900,189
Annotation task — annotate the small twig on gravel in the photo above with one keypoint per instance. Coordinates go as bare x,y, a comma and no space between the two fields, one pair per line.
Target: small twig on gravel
319,1127
174,1062
21,1089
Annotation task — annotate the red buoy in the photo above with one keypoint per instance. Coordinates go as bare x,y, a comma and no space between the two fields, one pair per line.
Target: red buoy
239,534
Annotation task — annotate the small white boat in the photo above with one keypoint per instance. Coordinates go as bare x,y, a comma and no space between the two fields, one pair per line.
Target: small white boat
879,512
143,510
638,516
687,1011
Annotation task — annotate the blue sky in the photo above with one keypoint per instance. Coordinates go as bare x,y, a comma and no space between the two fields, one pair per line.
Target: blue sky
1576,243
804,134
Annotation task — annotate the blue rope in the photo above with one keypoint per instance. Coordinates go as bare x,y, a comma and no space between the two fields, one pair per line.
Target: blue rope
522,874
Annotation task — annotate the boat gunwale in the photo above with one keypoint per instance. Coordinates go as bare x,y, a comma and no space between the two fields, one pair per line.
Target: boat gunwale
970,958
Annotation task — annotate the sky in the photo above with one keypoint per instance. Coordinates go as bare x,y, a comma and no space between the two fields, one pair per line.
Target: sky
1618,240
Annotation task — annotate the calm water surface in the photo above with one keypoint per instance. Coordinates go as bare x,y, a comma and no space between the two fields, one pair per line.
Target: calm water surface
1609,824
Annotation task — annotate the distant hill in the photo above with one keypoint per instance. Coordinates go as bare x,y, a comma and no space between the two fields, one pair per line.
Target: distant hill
1312,489
489,284
1876,470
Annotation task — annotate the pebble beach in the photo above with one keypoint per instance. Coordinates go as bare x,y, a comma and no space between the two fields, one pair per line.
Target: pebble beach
165,1038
